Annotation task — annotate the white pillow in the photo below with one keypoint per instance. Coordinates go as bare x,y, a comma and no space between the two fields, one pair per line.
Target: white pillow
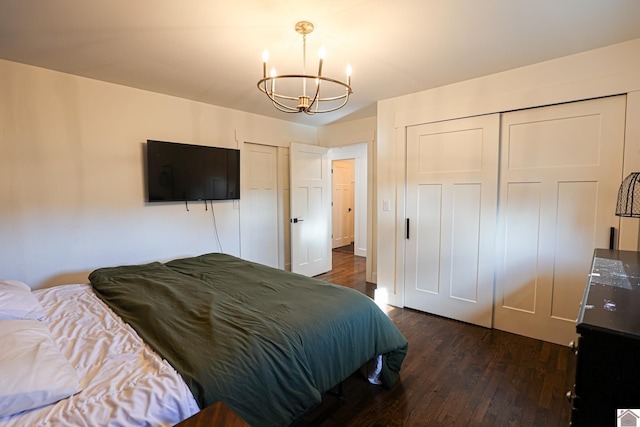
32,370
17,302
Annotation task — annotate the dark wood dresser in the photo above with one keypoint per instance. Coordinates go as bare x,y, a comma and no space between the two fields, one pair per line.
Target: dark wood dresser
608,351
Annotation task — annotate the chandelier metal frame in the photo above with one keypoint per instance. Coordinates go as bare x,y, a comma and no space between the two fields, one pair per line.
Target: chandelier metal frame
304,103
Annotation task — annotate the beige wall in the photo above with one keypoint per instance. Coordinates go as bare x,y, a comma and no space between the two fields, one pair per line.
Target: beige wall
608,71
72,192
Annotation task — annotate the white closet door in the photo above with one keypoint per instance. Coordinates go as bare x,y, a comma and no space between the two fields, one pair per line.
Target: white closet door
561,169
259,214
452,176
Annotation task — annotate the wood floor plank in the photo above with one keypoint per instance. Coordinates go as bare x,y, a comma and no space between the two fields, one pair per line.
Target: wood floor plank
454,374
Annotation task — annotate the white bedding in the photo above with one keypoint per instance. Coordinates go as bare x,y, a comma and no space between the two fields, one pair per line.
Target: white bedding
123,382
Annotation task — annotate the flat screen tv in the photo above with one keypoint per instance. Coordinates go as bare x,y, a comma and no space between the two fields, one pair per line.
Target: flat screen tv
184,172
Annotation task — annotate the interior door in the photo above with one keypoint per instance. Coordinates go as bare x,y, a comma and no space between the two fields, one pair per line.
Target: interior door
310,209
561,168
452,177
343,203
259,214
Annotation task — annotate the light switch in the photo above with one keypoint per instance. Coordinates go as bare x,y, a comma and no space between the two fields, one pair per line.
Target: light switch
386,205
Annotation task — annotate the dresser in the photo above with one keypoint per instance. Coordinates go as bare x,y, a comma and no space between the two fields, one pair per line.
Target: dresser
608,350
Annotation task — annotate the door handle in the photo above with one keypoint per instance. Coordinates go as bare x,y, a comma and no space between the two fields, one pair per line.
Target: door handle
349,209
296,220
407,226
612,238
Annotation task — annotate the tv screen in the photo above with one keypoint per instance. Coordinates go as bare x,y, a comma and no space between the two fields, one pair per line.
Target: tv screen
185,172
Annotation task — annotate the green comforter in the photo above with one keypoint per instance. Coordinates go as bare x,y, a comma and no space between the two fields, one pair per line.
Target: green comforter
266,342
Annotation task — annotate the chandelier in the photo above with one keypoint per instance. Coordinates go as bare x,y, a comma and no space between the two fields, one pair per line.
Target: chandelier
323,95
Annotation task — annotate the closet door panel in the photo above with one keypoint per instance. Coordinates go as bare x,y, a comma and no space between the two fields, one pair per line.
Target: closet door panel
521,213
560,172
452,175
427,237
465,228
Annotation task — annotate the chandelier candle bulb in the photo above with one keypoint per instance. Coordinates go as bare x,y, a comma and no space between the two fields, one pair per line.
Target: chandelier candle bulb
348,75
265,59
273,82
322,53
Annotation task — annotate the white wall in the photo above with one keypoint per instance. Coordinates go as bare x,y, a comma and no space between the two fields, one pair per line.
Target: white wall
608,71
72,195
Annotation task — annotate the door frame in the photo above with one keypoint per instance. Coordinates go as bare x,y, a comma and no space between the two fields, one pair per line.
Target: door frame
338,238
361,220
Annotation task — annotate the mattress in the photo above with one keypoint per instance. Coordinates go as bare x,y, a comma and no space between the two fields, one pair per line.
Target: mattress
123,381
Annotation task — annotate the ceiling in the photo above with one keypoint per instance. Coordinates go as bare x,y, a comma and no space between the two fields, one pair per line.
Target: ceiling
210,51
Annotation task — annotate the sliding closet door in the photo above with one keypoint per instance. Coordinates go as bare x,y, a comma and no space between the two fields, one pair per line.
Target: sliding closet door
452,176
560,170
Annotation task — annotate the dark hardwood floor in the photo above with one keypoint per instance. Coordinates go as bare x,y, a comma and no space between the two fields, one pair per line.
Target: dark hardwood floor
455,374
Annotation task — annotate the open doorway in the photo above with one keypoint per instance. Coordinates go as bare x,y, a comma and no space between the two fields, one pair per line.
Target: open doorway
343,204
350,212
349,191
310,194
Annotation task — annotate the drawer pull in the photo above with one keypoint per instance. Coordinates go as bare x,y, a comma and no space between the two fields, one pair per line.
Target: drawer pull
570,396
574,347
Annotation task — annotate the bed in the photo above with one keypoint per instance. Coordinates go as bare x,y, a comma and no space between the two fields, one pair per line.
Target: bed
266,342
119,380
